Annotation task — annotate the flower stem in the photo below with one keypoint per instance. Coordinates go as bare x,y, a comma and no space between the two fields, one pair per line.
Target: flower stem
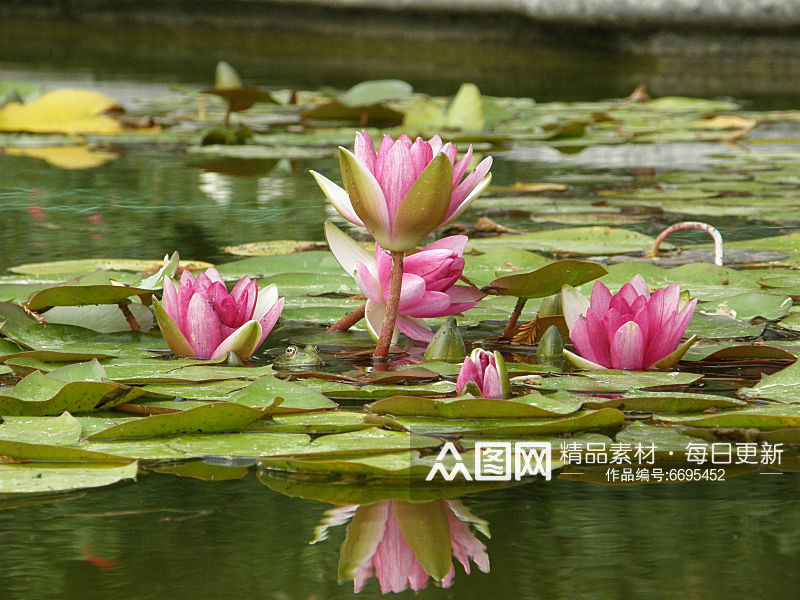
350,319
712,231
392,304
512,322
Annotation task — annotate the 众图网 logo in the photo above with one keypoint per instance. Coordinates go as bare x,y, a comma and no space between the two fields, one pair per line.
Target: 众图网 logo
495,461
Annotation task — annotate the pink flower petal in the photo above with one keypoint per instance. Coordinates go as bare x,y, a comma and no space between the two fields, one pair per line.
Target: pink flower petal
456,243
202,327
414,328
627,347
430,305
268,320
461,166
469,372
397,176
600,299
368,284
364,149
470,183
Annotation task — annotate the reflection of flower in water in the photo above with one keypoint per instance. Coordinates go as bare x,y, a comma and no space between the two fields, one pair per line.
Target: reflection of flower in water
404,544
270,188
216,186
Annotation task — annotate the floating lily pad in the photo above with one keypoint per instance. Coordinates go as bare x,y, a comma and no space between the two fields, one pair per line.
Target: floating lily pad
56,477
86,265
783,386
295,397
530,405
759,417
56,392
199,470
668,442
547,280
214,417
63,430
669,402
579,421
579,240
748,306
611,380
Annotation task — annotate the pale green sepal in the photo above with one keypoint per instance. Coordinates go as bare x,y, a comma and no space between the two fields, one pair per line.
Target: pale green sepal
582,363
574,304
427,532
244,341
226,77
505,384
424,206
364,532
373,315
347,252
671,360
176,341
367,198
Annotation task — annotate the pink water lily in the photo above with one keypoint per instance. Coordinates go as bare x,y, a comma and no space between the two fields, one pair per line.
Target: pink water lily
199,318
631,329
487,371
406,189
385,540
428,285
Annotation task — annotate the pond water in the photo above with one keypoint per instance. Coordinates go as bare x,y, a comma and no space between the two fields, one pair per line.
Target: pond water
176,537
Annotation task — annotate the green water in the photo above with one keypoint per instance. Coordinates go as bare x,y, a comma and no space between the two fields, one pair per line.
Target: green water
182,539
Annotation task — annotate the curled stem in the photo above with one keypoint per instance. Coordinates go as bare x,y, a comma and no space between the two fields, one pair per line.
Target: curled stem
350,319
712,231
392,304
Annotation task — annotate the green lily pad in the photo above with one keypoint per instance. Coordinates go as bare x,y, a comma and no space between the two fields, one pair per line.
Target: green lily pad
214,417
759,417
92,264
63,430
547,280
751,305
318,423
155,449
669,402
38,394
79,294
39,478
295,397
720,326
356,443
199,470
579,240
579,421
611,380
26,452
528,406
668,441
780,387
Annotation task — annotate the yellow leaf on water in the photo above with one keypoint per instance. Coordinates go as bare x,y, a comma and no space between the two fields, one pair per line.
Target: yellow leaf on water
66,157
70,111
725,122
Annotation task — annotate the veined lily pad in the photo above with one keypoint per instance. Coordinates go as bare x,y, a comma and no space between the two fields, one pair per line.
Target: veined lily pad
610,380
212,418
318,423
57,477
56,392
759,417
547,280
670,402
783,386
751,305
579,421
579,240
464,407
356,443
295,397
63,430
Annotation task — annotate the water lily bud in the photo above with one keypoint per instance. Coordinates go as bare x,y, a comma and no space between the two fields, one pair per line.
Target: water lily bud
447,343
487,371
551,348
551,306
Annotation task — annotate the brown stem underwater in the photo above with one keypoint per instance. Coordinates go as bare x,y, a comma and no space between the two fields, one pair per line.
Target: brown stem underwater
512,322
350,319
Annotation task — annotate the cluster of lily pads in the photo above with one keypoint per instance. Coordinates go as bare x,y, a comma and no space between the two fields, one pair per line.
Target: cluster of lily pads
94,395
